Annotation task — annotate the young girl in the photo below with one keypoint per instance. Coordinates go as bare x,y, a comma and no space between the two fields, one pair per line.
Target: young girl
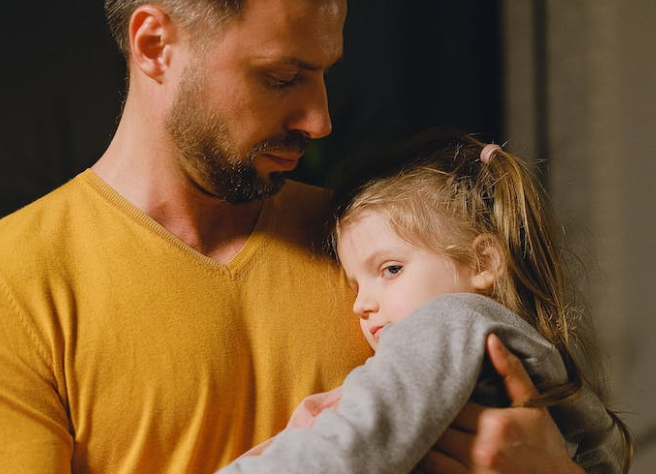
455,247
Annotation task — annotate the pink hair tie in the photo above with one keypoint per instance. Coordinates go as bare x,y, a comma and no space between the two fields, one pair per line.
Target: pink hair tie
488,152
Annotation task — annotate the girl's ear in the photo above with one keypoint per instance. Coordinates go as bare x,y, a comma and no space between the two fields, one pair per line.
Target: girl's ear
151,35
490,262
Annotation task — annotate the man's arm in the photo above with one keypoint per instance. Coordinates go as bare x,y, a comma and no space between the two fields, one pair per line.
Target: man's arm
485,440
34,431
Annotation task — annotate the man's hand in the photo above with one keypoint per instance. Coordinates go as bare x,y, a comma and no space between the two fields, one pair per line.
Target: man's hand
516,440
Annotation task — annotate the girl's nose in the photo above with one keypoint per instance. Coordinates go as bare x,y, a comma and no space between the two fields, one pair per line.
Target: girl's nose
364,305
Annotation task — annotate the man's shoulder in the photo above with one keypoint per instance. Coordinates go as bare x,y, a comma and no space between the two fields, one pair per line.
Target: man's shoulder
55,198
304,202
39,223
306,197
302,213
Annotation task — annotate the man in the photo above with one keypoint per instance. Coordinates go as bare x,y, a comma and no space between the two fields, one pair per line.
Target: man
167,309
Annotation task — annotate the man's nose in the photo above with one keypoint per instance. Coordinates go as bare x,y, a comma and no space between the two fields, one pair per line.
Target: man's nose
312,117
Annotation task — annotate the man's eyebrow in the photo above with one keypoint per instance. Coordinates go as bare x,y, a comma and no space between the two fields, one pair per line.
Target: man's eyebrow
302,64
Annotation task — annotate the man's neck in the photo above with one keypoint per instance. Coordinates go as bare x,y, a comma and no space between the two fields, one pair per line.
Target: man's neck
214,228
145,176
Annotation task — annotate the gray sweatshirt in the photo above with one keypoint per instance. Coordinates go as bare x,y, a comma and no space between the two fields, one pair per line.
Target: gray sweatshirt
396,406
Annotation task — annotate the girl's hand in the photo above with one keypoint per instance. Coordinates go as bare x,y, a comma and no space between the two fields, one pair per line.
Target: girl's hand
484,440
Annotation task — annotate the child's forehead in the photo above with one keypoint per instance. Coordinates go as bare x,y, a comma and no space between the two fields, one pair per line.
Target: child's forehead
364,222
371,234
381,220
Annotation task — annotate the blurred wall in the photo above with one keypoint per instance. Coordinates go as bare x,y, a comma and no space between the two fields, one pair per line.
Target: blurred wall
580,94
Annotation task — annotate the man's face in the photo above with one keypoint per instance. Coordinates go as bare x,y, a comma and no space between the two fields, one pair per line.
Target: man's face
247,106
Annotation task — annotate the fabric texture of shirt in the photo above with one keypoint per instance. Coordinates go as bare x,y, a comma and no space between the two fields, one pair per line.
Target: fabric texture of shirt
124,351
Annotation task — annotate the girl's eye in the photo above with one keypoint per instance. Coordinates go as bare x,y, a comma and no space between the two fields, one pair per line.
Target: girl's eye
392,270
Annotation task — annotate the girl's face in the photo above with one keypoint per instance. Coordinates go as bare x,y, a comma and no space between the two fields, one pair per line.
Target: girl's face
393,278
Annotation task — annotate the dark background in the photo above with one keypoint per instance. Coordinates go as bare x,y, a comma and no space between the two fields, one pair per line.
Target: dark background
407,65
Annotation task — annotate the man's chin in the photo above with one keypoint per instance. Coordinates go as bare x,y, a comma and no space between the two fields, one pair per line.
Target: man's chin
255,190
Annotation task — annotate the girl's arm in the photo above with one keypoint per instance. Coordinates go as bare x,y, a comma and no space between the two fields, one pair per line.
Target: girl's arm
395,407
485,440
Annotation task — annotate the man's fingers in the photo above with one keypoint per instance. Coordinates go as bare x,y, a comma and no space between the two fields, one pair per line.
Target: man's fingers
518,384
457,446
468,418
436,462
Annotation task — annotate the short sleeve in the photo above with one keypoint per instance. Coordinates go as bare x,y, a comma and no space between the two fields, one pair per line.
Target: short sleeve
34,430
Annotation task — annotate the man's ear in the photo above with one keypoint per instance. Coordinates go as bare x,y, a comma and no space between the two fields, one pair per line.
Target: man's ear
490,262
151,34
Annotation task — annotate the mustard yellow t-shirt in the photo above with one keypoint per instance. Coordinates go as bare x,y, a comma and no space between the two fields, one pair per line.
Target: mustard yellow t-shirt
123,350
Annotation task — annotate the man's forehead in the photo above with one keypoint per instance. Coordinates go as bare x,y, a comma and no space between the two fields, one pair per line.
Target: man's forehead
300,33
328,10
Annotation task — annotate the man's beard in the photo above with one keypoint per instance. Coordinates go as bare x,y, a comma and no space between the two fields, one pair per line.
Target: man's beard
207,152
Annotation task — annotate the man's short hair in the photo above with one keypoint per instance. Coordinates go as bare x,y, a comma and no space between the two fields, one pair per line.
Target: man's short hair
193,16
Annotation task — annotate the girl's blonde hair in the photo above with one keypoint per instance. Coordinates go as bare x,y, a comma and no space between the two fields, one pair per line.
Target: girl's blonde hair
446,198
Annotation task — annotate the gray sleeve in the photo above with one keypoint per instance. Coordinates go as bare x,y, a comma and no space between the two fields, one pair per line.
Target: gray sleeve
586,425
395,407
